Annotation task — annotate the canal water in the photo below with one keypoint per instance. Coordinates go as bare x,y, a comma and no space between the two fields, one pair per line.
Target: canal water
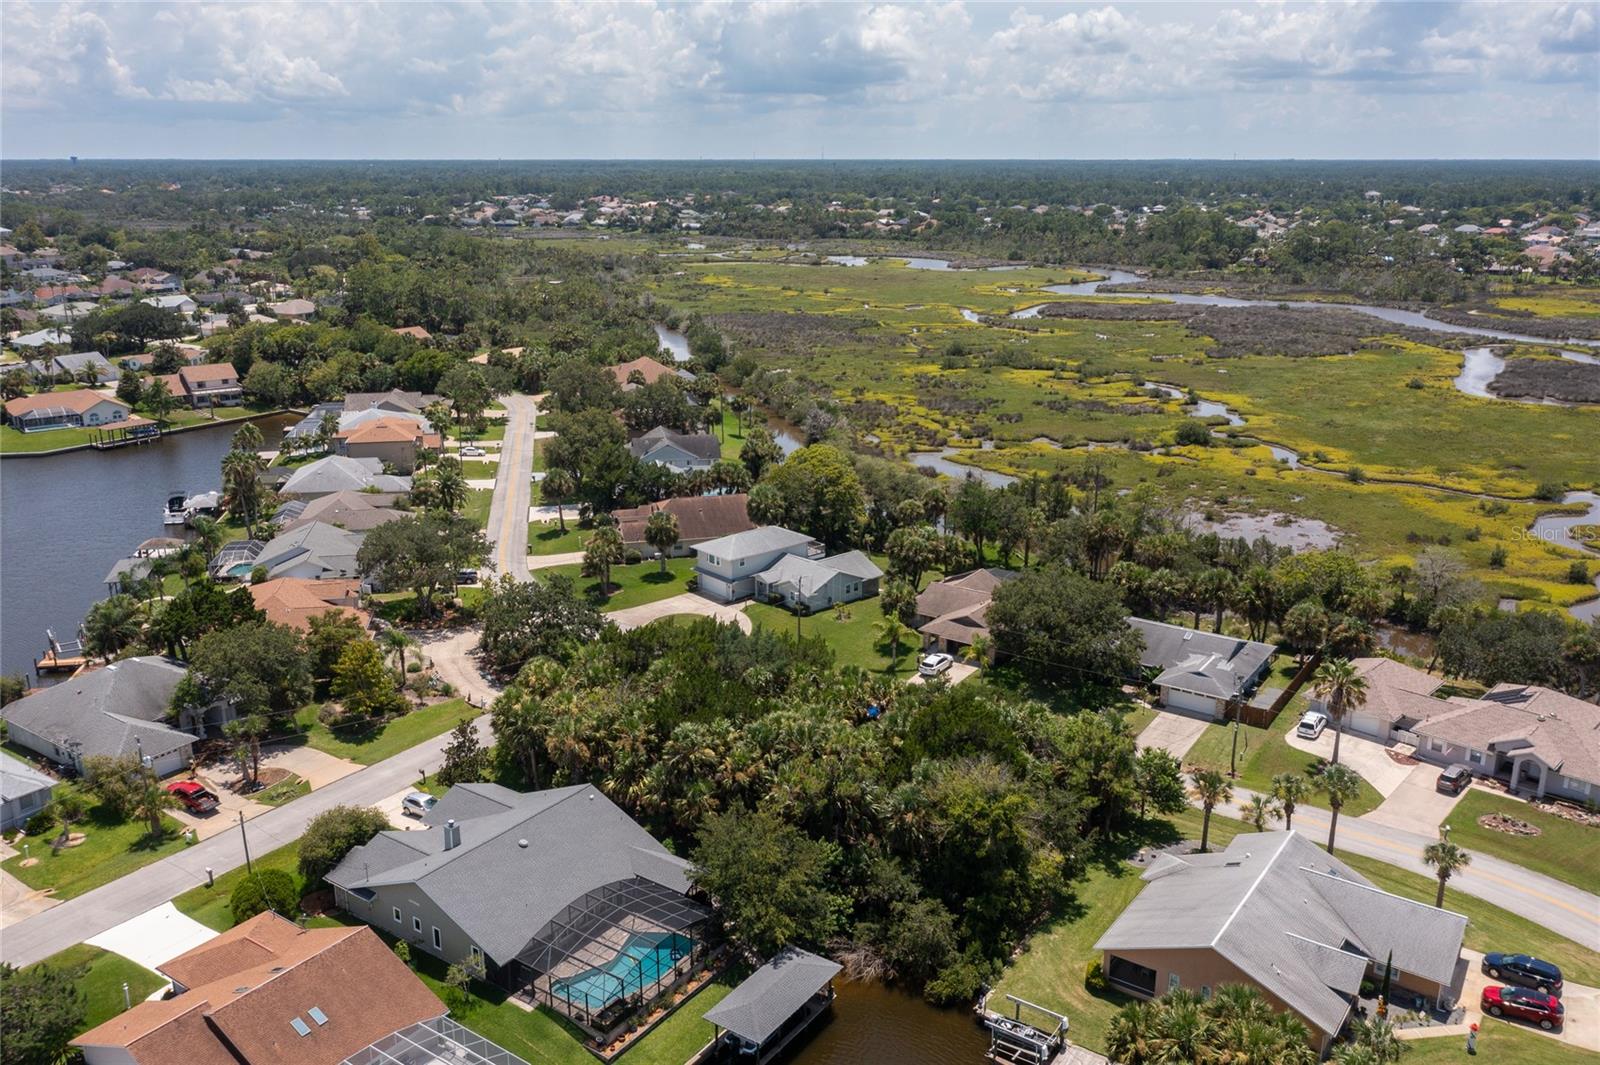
875,1025
65,519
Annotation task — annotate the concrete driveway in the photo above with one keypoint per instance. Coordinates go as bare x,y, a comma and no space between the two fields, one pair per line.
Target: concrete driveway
18,901
1367,757
1416,804
560,558
450,653
1582,1027
153,937
687,603
1173,733
958,672
393,811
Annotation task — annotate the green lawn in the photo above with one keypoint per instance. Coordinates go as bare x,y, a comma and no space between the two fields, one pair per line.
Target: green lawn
477,507
853,640
548,539
292,787
101,984
367,746
209,905
12,441
1499,1043
632,585
477,469
112,849
1564,849
1264,753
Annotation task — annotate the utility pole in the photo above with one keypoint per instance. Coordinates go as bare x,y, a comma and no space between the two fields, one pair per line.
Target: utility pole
249,869
800,583
1233,757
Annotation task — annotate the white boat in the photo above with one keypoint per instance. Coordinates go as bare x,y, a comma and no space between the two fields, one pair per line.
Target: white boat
182,509
173,513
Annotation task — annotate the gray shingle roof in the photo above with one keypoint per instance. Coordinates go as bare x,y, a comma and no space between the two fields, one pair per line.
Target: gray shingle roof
769,996
754,542
18,778
703,446
1297,921
107,710
1196,661
340,473
313,543
502,894
818,571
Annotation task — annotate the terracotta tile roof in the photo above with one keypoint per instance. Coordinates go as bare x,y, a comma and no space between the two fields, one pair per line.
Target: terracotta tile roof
78,400
210,373
258,978
294,601
390,431
414,331
653,371
699,517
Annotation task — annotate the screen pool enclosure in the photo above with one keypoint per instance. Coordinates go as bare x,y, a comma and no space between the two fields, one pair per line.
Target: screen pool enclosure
612,951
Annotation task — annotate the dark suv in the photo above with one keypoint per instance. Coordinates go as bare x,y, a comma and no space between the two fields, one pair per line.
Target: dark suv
1521,969
1454,779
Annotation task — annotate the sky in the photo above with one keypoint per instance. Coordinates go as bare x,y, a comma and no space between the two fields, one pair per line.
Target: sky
1519,79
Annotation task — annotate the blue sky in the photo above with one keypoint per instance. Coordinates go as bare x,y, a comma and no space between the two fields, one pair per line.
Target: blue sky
798,80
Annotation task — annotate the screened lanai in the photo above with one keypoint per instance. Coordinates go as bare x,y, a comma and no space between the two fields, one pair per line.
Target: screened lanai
611,951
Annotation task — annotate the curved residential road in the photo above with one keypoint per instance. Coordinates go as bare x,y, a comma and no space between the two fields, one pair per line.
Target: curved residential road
1562,908
513,491
143,889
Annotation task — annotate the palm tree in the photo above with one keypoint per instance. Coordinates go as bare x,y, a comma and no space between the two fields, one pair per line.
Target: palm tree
449,485
1133,1031
111,625
241,487
1372,1042
395,642
1341,784
1343,690
246,732
1447,859
891,630
661,533
557,487
151,800
1212,789
248,438
977,652
1259,810
207,536
604,551
1290,790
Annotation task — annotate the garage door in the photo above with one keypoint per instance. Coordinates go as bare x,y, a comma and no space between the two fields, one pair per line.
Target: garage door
1191,702
171,763
1366,723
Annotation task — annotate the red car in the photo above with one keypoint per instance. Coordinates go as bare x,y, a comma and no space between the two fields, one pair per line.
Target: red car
1524,1004
195,798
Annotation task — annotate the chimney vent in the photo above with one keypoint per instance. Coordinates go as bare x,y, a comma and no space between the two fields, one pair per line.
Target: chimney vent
452,835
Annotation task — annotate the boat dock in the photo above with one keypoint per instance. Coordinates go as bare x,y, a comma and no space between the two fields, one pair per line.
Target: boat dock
1014,1041
130,432
62,657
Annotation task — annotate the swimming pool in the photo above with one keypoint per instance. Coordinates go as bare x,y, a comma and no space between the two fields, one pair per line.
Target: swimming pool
643,960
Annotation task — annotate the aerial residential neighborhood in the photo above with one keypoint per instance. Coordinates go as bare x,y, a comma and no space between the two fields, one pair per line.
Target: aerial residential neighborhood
800,534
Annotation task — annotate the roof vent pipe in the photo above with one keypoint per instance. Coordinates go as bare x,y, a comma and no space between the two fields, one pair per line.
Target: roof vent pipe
452,835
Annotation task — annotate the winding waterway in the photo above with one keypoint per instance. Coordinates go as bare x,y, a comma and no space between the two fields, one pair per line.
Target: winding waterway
65,519
1557,529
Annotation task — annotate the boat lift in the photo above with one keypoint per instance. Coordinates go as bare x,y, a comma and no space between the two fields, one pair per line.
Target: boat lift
1013,1040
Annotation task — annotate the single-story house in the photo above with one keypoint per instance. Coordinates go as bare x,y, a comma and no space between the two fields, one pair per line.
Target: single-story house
72,367
951,612
175,301
396,399
700,518
725,568
393,439
302,432
536,891
24,791
118,710
79,408
1536,739
647,368
41,338
269,992
294,601
1276,912
294,310
353,511
314,551
818,583
152,280
1198,671
69,312
678,452
340,473
1398,699
49,295
415,332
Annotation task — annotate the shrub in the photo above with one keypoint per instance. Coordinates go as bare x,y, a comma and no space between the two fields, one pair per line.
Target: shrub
1497,557
1549,491
42,822
402,950
1578,573
1094,978
268,889
1193,434
334,833
1356,475
631,557
1415,382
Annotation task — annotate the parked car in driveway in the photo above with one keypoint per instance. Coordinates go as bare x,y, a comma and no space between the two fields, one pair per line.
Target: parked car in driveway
1453,780
934,664
1312,722
417,804
1523,1004
472,452
194,796
1524,970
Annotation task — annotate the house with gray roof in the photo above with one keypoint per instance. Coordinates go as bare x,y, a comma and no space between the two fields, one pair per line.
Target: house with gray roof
340,473
24,791
725,568
1201,672
678,452
1276,912
557,896
314,550
119,710
72,367
798,581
